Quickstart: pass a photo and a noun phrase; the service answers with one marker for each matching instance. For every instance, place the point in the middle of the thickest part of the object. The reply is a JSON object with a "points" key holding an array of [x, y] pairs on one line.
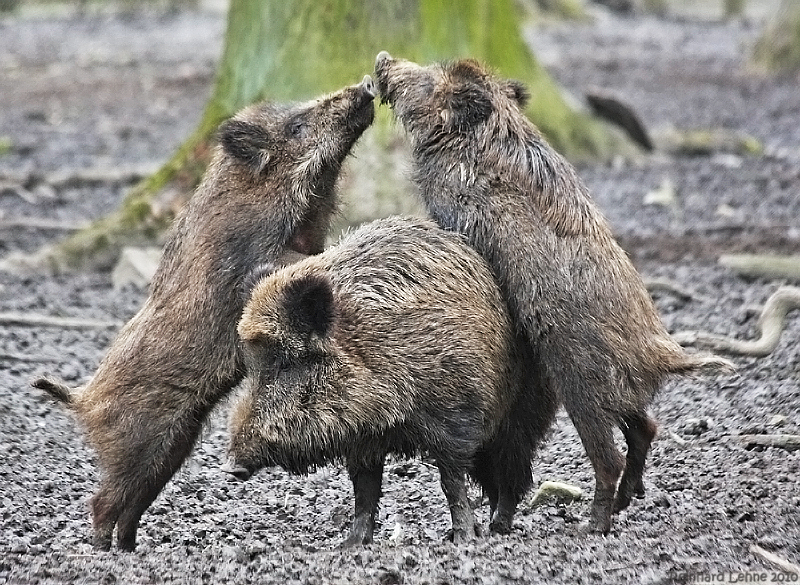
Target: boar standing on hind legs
{"points": [[484, 170], [397, 340], [268, 193]]}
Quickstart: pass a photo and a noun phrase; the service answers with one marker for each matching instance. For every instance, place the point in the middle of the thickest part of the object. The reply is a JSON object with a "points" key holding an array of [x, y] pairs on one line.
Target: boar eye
{"points": [[296, 128]]}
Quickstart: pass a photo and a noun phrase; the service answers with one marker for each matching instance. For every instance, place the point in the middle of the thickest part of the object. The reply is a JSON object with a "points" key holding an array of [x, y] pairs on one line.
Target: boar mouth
{"points": [[368, 87], [382, 62], [359, 114], [365, 94]]}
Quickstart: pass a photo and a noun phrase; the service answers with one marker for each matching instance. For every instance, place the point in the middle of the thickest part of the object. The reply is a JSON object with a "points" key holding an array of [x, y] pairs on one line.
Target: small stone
{"points": [[397, 533], [777, 420], [665, 195], [232, 553], [725, 210], [696, 426], [727, 160], [556, 491]]}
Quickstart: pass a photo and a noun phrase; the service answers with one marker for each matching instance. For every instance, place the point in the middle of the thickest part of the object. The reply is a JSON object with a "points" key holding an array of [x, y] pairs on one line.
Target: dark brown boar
{"points": [[484, 170], [268, 193], [395, 341]]}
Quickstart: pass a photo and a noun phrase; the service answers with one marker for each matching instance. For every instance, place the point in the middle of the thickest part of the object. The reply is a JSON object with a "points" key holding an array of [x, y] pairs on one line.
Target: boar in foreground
{"points": [[268, 193], [485, 171], [395, 341]]}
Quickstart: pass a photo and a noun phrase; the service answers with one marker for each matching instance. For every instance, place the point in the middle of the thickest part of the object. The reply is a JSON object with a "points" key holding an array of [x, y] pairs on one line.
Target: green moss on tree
{"points": [[295, 50]]}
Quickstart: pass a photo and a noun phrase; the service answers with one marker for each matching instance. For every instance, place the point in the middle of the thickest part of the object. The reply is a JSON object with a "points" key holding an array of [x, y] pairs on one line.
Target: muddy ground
{"points": [[105, 92]]}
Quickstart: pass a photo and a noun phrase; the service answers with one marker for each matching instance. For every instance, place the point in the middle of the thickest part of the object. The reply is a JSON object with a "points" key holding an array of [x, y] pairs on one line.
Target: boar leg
{"points": [[105, 511], [176, 445], [639, 430], [496, 484], [483, 471], [136, 474], [596, 433], [503, 516], [367, 491], [455, 490]]}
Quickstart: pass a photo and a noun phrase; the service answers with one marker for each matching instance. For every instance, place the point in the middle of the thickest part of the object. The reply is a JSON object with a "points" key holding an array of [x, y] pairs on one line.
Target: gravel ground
{"points": [[111, 91]]}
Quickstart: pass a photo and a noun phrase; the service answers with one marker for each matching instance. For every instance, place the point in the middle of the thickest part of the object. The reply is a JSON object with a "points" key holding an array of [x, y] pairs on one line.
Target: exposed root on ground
{"points": [[775, 560], [771, 323]]}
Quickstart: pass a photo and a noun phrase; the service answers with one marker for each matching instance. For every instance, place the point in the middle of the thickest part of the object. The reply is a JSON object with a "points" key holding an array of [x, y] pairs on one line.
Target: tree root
{"points": [[770, 326], [775, 560]]}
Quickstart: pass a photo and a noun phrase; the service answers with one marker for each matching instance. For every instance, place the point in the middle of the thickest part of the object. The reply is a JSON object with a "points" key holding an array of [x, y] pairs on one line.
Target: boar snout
{"points": [[236, 470], [369, 86]]}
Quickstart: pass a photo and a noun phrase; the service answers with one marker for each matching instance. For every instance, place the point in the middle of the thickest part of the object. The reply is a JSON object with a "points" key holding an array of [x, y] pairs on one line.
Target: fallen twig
{"points": [[708, 141], [770, 326], [763, 265], [18, 190], [78, 177], [788, 442], [667, 286], [678, 439], [41, 224], [33, 320], [99, 175], [31, 359], [773, 559]]}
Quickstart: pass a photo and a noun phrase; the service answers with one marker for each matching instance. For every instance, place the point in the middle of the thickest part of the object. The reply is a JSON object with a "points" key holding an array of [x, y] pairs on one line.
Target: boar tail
{"points": [[704, 363], [56, 389]]}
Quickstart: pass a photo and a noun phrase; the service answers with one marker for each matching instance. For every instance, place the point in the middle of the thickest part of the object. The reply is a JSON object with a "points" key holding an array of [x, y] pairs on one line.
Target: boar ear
{"points": [[248, 143], [517, 91], [309, 303], [254, 277], [470, 105], [467, 69]]}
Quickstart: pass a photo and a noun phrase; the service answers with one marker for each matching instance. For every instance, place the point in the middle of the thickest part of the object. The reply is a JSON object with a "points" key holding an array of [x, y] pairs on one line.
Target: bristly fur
{"points": [[254, 277], [267, 196], [397, 340], [571, 289]]}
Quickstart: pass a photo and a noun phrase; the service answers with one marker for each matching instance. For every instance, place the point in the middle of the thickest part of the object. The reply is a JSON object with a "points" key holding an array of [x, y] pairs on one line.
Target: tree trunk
{"points": [[289, 50], [778, 49]]}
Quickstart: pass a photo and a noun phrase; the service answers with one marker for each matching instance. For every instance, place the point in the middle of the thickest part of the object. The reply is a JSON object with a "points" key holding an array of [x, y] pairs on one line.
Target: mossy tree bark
{"points": [[289, 50], [778, 49]]}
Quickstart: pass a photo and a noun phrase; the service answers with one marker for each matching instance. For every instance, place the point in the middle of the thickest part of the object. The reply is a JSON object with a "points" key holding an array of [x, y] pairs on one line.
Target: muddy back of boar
{"points": [[484, 170], [268, 193], [395, 341]]}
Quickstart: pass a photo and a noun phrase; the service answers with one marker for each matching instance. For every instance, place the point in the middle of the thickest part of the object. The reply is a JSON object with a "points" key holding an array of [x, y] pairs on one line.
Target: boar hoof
{"points": [[594, 526], [500, 526], [101, 542], [462, 536], [237, 471], [355, 539]]}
